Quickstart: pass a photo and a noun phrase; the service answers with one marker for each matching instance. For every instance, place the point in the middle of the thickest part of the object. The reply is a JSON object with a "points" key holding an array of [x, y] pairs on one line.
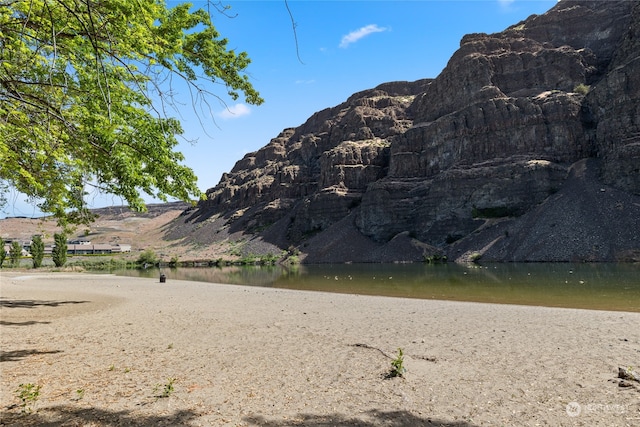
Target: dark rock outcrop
{"points": [[405, 170]]}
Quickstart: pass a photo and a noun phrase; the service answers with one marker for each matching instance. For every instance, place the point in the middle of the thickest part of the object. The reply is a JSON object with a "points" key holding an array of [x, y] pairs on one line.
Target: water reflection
{"points": [[592, 286]]}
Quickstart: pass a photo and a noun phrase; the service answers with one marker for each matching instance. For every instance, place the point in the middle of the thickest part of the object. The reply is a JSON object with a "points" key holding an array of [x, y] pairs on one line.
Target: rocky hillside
{"points": [[525, 148]]}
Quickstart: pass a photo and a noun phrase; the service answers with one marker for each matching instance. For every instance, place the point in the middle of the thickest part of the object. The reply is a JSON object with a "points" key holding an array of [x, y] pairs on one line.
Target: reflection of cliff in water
{"points": [[590, 286], [247, 275]]}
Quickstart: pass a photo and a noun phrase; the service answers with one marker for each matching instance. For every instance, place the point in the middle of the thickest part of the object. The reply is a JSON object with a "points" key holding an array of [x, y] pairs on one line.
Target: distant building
{"points": [[86, 247], [79, 242], [121, 248], [25, 244]]}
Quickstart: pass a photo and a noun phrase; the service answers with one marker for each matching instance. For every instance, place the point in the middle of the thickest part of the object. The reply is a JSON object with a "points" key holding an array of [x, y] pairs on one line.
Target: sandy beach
{"points": [[112, 351]]}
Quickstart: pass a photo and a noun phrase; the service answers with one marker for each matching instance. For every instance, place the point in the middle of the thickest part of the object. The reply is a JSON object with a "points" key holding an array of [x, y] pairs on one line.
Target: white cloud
{"points": [[356, 35], [505, 3], [234, 111]]}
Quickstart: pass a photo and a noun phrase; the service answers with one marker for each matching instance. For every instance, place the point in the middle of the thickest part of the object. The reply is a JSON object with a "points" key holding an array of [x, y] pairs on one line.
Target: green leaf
{"points": [[83, 85]]}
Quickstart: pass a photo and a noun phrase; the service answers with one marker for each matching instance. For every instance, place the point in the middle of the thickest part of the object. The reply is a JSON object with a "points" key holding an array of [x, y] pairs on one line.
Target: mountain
{"points": [[525, 148]]}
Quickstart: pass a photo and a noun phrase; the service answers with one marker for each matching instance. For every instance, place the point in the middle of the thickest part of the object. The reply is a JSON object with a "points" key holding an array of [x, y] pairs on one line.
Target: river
{"points": [[588, 286]]}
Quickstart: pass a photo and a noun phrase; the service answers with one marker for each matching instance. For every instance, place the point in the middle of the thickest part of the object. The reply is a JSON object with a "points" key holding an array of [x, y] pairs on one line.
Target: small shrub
{"points": [[147, 257], [475, 257], [269, 259], [397, 366], [167, 388], [435, 259], [582, 89], [28, 395], [293, 251], [248, 260]]}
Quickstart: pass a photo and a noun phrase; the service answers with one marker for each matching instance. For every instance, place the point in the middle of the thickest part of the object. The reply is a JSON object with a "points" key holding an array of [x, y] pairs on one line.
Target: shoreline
{"points": [[104, 348]]}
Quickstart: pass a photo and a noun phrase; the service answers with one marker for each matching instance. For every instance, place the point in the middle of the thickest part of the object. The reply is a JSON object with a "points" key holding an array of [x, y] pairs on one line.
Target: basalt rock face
{"points": [[501, 123], [613, 111], [322, 168], [493, 138]]}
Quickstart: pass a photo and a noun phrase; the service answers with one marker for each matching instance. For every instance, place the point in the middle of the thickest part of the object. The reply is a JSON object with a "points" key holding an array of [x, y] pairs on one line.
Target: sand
{"points": [[110, 351]]}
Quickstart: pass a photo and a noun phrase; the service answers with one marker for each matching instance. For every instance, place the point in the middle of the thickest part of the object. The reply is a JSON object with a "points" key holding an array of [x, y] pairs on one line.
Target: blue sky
{"points": [[344, 46]]}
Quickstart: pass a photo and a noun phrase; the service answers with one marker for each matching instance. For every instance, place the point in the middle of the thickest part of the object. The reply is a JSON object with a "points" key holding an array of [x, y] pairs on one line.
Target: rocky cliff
{"points": [[538, 123]]}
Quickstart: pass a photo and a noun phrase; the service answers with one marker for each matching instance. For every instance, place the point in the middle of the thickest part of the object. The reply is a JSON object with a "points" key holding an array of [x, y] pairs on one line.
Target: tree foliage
{"points": [[59, 251], [3, 252], [148, 257], [15, 253], [37, 251], [85, 86]]}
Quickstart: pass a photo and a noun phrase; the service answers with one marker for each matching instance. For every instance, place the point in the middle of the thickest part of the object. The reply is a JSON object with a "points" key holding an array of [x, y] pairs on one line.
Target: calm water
{"points": [[592, 286]]}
